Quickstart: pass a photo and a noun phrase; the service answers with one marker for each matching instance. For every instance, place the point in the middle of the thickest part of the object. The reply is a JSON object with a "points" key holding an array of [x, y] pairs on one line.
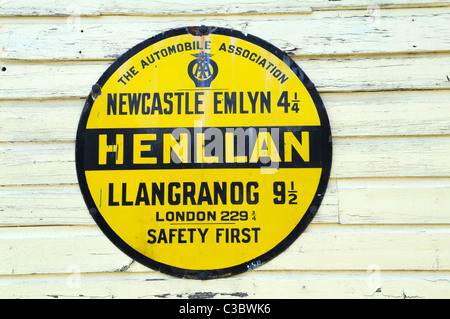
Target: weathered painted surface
{"points": [[383, 71]]}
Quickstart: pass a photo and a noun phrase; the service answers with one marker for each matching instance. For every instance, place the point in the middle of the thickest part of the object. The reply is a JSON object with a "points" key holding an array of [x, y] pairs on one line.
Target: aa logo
{"points": [[202, 70]]}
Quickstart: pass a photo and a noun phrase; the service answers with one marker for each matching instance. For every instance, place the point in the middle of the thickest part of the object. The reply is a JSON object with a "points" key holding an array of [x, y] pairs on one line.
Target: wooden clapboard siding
{"points": [[54, 163], [43, 205], [197, 7], [394, 113], [322, 33], [347, 201], [39, 120], [273, 285], [391, 113], [75, 79], [64, 205], [382, 68], [394, 201], [320, 247]]}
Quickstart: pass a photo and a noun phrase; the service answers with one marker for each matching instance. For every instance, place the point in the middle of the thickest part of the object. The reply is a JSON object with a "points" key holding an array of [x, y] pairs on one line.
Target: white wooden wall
{"points": [[382, 68]]}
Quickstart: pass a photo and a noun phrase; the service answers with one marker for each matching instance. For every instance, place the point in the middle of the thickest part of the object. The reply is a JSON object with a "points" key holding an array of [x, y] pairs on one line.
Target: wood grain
{"points": [[405, 201], [54, 163], [196, 7], [396, 113], [320, 248], [370, 283], [64, 205], [75, 79], [323, 33]]}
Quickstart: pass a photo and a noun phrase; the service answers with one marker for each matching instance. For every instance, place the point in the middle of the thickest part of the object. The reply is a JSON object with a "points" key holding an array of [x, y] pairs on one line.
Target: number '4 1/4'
{"points": [[284, 102]]}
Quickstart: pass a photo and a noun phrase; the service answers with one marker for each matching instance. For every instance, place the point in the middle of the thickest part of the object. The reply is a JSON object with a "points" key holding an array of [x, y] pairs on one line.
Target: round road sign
{"points": [[203, 152]]}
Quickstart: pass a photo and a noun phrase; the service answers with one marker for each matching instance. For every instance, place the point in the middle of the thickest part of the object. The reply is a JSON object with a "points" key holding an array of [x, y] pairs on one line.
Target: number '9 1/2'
{"points": [[279, 190]]}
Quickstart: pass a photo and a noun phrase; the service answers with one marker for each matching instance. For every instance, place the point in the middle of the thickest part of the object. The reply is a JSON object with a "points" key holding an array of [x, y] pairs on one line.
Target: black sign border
{"points": [[223, 272]]}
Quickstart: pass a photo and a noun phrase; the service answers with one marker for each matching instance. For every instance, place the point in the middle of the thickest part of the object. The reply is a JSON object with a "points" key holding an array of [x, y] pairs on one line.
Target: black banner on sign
{"points": [[199, 148]]}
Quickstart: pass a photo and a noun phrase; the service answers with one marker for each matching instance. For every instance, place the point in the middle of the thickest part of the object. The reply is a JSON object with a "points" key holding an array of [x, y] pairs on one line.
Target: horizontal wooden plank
{"points": [[391, 157], [326, 247], [400, 201], [195, 7], [57, 249], [40, 120], [347, 201], [43, 205], [32, 163], [406, 31], [64, 205], [373, 283], [351, 114], [373, 4], [152, 8], [22, 80], [388, 113], [26, 80], [54, 163], [378, 73]]}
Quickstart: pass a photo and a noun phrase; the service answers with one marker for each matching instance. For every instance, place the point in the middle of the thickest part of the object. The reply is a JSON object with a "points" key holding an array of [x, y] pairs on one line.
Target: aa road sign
{"points": [[203, 152]]}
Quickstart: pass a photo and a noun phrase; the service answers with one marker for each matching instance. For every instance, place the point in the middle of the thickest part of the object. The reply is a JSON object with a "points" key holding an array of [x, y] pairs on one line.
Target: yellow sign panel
{"points": [[203, 152]]}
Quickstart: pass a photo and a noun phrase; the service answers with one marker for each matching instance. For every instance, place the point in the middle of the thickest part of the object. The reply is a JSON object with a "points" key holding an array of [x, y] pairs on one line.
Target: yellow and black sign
{"points": [[203, 152]]}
